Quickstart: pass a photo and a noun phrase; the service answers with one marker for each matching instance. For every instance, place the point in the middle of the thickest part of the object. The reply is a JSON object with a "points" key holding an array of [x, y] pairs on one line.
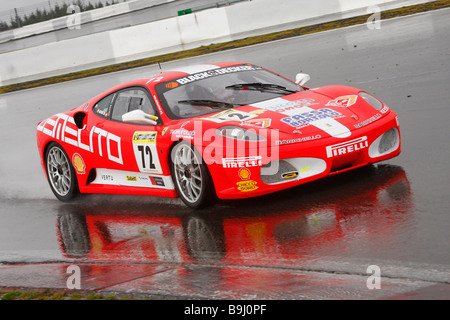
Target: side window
{"points": [[102, 108], [129, 100]]}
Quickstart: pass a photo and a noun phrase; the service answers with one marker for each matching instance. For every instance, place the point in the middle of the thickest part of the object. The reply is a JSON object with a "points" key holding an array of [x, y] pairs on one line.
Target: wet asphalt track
{"points": [[312, 242]]}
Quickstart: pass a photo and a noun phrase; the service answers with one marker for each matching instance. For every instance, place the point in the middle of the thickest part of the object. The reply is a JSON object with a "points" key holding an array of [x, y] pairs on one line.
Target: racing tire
{"points": [[191, 176], [61, 175]]}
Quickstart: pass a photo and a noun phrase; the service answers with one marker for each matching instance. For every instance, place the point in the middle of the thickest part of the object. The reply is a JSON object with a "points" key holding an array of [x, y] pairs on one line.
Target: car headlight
{"points": [[238, 133], [374, 102]]}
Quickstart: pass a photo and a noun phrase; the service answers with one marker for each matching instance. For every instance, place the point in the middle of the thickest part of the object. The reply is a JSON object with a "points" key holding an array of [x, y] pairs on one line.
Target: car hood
{"points": [[310, 113]]}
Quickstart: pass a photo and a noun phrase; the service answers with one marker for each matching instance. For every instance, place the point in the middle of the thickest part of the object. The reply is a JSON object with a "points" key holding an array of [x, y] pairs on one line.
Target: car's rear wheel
{"points": [[191, 176], [60, 172]]}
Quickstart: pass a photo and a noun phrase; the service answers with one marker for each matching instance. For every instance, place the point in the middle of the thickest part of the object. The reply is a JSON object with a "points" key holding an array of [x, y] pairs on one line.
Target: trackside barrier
{"points": [[183, 32]]}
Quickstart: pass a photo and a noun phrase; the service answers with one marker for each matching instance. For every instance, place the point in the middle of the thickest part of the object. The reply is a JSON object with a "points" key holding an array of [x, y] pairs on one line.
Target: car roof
{"points": [[191, 69], [171, 74]]}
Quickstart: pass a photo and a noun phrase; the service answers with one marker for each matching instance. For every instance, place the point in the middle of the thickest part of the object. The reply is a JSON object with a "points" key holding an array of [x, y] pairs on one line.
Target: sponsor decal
{"points": [[78, 164], [303, 139], [244, 173], [171, 85], [157, 181], [368, 121], [310, 116], [182, 133], [347, 147], [258, 123], [132, 179], [158, 105], [247, 186], [103, 113], [107, 177], [213, 73], [299, 114], [289, 107], [164, 131], [63, 128], [243, 162], [145, 137], [344, 101]]}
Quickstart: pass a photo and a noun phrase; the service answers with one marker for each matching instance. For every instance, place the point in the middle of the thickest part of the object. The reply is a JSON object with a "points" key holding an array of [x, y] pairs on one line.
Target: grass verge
{"points": [[51, 294], [388, 14]]}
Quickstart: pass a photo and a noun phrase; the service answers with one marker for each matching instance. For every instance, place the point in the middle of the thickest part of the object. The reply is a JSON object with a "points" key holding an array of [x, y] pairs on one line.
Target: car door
{"points": [[128, 149]]}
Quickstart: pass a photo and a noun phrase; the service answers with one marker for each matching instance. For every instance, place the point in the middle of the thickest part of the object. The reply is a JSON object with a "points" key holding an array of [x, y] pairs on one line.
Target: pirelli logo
{"points": [[347, 147], [243, 162]]}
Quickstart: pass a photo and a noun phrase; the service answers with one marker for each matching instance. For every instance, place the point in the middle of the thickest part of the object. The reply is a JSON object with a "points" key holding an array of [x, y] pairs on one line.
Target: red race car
{"points": [[227, 130]]}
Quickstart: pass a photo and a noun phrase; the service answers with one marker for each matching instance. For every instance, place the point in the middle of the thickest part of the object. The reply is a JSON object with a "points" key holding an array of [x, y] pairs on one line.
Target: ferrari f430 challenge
{"points": [[226, 130]]}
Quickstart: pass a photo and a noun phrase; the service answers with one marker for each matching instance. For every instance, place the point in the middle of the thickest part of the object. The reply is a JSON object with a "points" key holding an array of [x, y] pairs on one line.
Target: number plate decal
{"points": [[231, 115], [145, 151]]}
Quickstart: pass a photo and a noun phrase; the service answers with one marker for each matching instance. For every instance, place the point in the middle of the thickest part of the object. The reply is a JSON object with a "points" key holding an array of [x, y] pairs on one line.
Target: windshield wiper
{"points": [[210, 103], [261, 87]]}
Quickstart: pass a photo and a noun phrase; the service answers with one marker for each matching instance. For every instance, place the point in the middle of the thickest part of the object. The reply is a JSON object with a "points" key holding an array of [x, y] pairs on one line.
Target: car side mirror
{"points": [[302, 78], [139, 116]]}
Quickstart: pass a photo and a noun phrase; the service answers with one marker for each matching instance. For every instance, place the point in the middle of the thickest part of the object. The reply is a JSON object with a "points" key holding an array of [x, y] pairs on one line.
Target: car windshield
{"points": [[220, 89]]}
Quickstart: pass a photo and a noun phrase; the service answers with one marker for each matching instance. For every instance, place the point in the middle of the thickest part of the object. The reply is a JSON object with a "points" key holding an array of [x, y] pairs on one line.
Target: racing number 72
{"points": [[146, 151]]}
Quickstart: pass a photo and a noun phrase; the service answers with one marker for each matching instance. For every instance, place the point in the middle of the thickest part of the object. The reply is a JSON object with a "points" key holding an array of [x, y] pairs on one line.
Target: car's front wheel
{"points": [[191, 176], [60, 172]]}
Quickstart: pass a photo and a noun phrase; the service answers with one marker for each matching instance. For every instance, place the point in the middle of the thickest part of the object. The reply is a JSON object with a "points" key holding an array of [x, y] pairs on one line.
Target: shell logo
{"points": [[244, 174], [79, 164]]}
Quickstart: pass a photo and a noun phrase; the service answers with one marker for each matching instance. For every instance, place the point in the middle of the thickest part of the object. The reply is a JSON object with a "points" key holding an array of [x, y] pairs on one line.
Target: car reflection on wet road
{"points": [[311, 242], [250, 233]]}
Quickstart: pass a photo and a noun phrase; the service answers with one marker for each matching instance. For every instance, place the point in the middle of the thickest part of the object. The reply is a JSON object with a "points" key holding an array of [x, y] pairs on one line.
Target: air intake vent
{"points": [[285, 172], [291, 169]]}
